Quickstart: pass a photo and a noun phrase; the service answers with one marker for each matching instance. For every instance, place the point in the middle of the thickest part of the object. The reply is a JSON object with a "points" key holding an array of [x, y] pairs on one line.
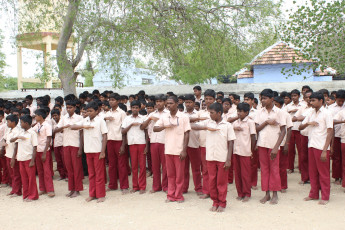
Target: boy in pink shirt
{"points": [[220, 138], [271, 129], [320, 124], [177, 126], [244, 146], [43, 156]]}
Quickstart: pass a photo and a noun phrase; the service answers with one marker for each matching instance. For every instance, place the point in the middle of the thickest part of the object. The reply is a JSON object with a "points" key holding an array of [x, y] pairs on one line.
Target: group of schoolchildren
{"points": [[221, 138]]}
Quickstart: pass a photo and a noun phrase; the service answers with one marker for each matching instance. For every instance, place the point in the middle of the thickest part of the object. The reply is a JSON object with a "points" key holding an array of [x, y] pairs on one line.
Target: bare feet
{"points": [[125, 191], [100, 200], [246, 199], [10, 194], [283, 191], [204, 196], [142, 192], [110, 189], [290, 171], [323, 202], [266, 198], [28, 200], [239, 198], [309, 198], [14, 195], [3, 185], [180, 201], [90, 199], [69, 194], [255, 187], [61, 179], [337, 182], [220, 209], [51, 194], [213, 209], [75, 194], [168, 201], [42, 193], [274, 199], [133, 191], [199, 193], [152, 191], [148, 173]]}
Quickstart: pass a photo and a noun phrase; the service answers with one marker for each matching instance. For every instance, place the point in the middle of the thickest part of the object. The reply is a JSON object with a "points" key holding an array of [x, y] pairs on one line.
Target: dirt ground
{"points": [[149, 211]]}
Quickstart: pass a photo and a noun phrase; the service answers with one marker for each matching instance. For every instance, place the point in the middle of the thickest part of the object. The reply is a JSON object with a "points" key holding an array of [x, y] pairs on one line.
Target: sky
{"points": [[30, 60]]}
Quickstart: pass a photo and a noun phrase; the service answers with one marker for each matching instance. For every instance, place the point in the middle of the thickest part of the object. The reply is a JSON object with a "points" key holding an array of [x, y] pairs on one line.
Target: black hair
{"points": [[288, 95], [324, 91], [170, 93], [106, 103], [189, 97], [104, 95], [236, 96], [227, 100], [332, 97], [14, 110], [89, 96], [57, 105], [267, 93], [161, 97], [92, 105], [123, 107], [55, 111], [216, 107], [309, 91], [256, 101], [29, 97], [221, 93], [94, 97], [71, 103], [153, 99], [279, 100], [25, 111], [197, 104], [318, 95], [46, 97], [26, 119], [180, 106], [143, 112], [41, 112], [243, 107], [96, 91], [181, 97], [283, 94], [125, 97], [46, 109], [82, 96], [296, 91], [210, 93], [340, 94], [150, 104], [174, 98], [135, 103], [59, 99], [197, 87], [249, 95], [133, 96], [2, 113], [275, 94], [115, 96], [12, 118], [141, 93], [306, 87]]}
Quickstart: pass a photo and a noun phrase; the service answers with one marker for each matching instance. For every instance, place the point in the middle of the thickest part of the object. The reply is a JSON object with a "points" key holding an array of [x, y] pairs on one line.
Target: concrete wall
{"points": [[184, 89]]}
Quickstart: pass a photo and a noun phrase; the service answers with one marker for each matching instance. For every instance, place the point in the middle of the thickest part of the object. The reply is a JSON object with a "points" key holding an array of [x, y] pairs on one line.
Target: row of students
{"points": [[205, 139]]}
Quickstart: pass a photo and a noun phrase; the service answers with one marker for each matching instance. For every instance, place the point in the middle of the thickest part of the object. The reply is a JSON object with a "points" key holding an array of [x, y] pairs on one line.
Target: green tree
{"points": [[318, 30], [195, 39], [2, 57]]}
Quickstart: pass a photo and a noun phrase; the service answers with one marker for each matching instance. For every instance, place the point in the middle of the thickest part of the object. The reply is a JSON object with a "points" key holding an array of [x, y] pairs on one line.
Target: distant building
{"points": [[271, 64]]}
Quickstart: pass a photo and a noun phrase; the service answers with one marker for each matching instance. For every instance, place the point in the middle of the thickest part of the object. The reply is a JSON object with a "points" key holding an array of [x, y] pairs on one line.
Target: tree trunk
{"points": [[68, 80]]}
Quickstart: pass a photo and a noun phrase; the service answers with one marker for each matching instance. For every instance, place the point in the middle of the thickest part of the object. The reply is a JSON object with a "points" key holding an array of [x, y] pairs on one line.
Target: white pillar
{"points": [[47, 63], [19, 68]]}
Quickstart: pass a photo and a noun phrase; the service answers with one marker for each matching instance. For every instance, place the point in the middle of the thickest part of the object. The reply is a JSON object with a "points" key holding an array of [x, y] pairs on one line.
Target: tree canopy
{"points": [[192, 40], [318, 30]]}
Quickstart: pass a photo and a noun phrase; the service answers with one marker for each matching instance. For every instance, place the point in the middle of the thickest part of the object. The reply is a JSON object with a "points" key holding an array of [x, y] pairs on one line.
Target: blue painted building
{"points": [[271, 64]]}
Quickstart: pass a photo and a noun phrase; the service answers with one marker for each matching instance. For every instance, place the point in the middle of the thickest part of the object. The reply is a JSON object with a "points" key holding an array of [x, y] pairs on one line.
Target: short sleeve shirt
{"points": [[193, 134], [43, 131], [58, 137], [93, 137], [11, 133], [291, 107], [157, 137], [242, 144], [70, 137], [135, 136], [26, 147], [335, 109], [202, 133], [114, 126]]}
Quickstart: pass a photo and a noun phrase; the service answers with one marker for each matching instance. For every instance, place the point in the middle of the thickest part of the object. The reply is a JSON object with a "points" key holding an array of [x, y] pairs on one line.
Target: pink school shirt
{"points": [[43, 131], [242, 144], [114, 126]]}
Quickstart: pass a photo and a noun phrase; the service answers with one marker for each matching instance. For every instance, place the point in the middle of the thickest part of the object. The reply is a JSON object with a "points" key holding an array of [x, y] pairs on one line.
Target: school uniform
{"points": [[71, 144], [58, 153], [174, 138], [295, 139], [117, 163], [242, 156], [254, 161], [4, 174], [93, 147], [336, 157], [32, 109], [157, 142], [193, 158], [304, 168], [137, 143], [284, 158], [341, 116], [15, 180], [318, 170], [24, 157], [231, 114], [216, 156], [45, 175], [202, 142], [267, 139]]}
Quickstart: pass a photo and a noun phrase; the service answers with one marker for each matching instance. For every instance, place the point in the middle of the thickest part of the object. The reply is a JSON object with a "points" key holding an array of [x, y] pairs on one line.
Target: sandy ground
{"points": [[149, 211]]}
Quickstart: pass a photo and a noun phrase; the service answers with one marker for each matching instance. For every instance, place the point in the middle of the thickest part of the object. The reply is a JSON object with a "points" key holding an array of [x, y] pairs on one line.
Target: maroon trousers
{"points": [[343, 164], [44, 172], [28, 176], [304, 159], [4, 176], [231, 171], [194, 159], [283, 165], [138, 160], [242, 165], [60, 162], [319, 175], [336, 159], [205, 183], [294, 141], [96, 169], [254, 168], [159, 170], [175, 171], [117, 165], [270, 178], [74, 168], [218, 179], [15, 179]]}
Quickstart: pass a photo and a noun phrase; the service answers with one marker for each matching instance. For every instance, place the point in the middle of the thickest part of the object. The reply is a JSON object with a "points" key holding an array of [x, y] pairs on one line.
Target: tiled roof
{"points": [[244, 73], [280, 53], [325, 72]]}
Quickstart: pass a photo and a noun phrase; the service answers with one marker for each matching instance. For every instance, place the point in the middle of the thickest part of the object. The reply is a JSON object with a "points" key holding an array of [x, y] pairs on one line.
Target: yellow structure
{"points": [[46, 39]]}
